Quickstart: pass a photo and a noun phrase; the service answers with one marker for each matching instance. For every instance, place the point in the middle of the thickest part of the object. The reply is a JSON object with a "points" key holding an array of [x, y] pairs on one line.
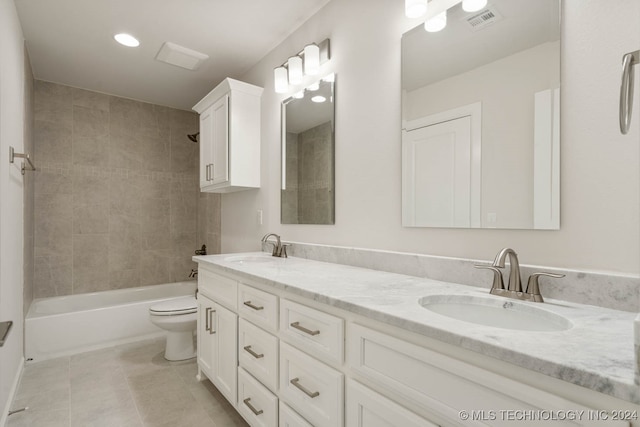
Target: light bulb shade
{"points": [[314, 86], [281, 85], [295, 70], [473, 5], [436, 23], [299, 95], [311, 59], [415, 8]]}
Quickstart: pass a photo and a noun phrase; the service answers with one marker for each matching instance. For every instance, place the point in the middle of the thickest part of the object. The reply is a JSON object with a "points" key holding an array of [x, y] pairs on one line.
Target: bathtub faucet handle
{"points": [[194, 273]]}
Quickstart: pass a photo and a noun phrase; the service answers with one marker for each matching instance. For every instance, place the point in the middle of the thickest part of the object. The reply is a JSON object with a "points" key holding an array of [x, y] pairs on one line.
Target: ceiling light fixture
{"points": [[415, 8], [127, 40], [306, 63], [318, 98]]}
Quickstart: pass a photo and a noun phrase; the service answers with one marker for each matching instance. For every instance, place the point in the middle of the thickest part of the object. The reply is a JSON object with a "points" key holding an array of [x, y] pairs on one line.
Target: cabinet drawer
{"points": [[442, 386], [316, 332], [365, 407], [219, 288], [258, 353], [256, 404], [290, 418], [312, 388], [258, 306]]}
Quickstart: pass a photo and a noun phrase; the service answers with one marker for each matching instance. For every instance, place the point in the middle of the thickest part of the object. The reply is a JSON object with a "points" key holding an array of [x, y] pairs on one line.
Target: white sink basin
{"points": [[253, 259], [496, 312]]}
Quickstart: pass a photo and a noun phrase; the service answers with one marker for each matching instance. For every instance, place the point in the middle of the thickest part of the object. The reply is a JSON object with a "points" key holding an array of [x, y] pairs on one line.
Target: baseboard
{"points": [[12, 394]]}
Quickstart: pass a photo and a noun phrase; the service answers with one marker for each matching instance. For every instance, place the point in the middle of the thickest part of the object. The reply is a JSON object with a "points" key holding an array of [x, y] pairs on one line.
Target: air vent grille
{"points": [[484, 19]]}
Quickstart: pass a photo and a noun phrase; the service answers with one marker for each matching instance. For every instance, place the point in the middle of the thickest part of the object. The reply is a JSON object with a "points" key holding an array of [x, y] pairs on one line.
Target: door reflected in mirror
{"points": [[481, 119], [308, 142]]}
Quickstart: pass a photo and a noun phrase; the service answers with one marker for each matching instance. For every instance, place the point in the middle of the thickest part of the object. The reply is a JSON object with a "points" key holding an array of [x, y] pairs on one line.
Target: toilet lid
{"points": [[172, 307]]}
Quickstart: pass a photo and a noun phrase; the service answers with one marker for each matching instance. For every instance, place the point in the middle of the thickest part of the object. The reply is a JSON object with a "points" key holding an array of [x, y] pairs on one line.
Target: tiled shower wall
{"points": [[117, 203], [308, 198]]}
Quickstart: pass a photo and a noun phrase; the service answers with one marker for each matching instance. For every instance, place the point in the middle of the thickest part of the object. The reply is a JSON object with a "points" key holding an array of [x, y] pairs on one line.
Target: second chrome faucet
{"points": [[514, 288]]}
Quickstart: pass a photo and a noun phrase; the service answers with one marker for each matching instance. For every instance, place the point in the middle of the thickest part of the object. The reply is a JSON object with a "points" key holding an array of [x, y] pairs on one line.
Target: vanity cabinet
{"points": [[230, 137], [302, 363]]}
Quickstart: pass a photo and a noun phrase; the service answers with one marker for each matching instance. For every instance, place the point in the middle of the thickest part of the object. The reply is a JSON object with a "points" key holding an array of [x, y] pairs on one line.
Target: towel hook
{"points": [[626, 89]]}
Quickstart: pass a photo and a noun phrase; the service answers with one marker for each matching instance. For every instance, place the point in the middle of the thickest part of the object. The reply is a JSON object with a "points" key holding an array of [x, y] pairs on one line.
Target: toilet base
{"points": [[179, 346]]}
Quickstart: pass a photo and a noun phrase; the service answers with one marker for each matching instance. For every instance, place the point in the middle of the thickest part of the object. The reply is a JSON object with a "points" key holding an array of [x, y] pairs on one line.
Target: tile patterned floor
{"points": [[129, 385]]}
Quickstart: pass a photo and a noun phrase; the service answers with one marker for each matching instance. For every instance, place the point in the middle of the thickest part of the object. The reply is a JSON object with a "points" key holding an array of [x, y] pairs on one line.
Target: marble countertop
{"points": [[597, 352]]}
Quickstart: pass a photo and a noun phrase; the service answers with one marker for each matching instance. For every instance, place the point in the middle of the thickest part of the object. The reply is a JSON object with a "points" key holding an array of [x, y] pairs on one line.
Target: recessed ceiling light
{"points": [[127, 40], [318, 98]]}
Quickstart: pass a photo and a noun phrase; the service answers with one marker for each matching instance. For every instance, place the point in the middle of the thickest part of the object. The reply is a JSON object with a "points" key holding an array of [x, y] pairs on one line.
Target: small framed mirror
{"points": [[308, 148]]}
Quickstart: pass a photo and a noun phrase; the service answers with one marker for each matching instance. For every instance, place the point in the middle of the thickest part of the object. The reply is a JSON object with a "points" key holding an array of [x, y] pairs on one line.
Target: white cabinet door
{"points": [[366, 408], [225, 328], [206, 340], [217, 346], [219, 170], [206, 148]]}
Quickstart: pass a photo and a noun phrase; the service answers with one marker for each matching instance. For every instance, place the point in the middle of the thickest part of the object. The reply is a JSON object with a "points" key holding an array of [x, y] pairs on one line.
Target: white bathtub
{"points": [[60, 326]]}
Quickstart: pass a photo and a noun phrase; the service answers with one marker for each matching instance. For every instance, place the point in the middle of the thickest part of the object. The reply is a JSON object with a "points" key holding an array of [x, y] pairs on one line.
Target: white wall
{"points": [[11, 197], [600, 192]]}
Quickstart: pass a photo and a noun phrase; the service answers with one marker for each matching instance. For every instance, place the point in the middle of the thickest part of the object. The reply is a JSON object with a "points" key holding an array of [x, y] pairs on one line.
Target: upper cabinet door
{"points": [[230, 137], [219, 170]]}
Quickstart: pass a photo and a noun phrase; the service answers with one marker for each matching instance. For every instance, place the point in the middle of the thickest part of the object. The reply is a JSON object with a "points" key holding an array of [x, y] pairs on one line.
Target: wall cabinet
{"points": [[230, 137]]}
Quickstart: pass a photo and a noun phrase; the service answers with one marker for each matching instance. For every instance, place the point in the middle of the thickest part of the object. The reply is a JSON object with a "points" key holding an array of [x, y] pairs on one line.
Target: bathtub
{"points": [[61, 326]]}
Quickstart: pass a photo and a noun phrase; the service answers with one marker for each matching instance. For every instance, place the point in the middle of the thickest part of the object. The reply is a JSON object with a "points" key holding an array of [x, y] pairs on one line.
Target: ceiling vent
{"points": [[483, 19], [181, 56]]}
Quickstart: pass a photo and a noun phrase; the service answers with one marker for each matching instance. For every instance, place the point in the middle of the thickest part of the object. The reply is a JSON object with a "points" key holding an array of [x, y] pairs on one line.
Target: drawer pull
{"points": [[250, 406], [211, 331], [255, 307], [296, 383], [303, 329], [253, 353]]}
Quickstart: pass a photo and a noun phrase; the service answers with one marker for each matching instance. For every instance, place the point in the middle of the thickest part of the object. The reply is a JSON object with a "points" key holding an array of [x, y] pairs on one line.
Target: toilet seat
{"points": [[175, 307]]}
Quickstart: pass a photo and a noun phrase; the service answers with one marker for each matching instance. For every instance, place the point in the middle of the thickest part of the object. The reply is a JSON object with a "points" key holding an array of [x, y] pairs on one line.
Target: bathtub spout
{"points": [[194, 273]]}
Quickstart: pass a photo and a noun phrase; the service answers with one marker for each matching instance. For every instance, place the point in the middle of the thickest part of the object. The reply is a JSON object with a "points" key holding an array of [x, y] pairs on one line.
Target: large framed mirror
{"points": [[481, 119], [308, 148]]}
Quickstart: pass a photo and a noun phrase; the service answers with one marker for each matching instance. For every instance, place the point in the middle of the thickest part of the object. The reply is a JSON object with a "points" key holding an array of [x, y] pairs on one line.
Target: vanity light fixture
{"points": [[307, 62], [436, 14], [314, 86], [299, 95], [473, 5], [295, 70], [437, 23], [281, 82], [126, 40], [415, 8]]}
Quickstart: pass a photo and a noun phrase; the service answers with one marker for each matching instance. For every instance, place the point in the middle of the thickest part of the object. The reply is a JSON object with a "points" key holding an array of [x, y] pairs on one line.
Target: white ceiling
{"points": [[431, 57], [71, 42]]}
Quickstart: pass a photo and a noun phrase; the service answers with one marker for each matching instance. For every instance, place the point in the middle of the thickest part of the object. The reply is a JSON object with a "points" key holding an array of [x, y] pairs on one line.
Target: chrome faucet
{"points": [[514, 290], [279, 249]]}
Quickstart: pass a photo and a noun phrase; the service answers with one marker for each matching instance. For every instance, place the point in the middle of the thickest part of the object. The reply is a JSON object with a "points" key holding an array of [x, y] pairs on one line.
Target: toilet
{"points": [[178, 317]]}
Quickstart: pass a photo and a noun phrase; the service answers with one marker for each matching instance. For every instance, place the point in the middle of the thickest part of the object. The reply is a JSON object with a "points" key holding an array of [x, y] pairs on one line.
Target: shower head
{"points": [[193, 136]]}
